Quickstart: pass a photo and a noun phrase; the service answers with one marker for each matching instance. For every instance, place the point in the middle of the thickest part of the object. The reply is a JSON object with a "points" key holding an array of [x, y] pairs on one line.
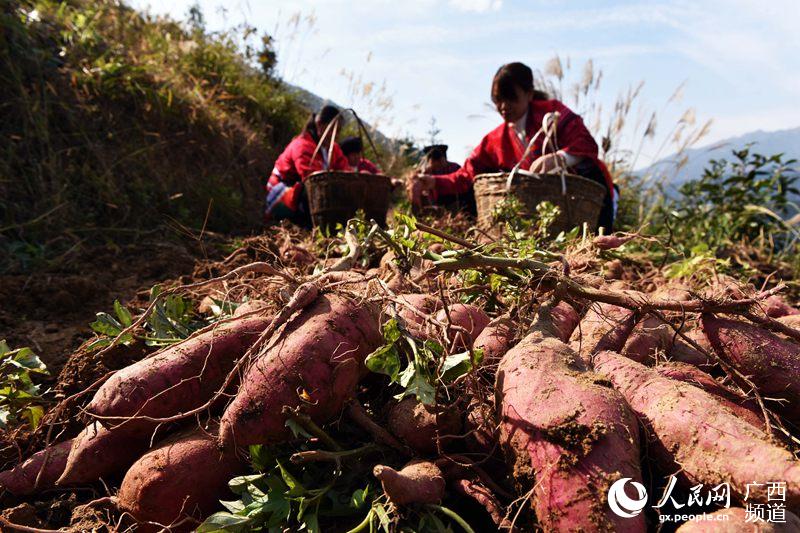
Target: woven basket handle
{"points": [[548, 129]]}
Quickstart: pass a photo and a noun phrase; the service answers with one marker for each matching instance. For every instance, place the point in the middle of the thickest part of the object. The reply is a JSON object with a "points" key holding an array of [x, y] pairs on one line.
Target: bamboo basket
{"points": [[582, 202], [334, 197]]}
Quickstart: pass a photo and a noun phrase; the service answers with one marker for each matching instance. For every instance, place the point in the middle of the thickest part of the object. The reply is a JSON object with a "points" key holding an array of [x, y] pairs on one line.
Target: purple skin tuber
{"points": [[21, 480], [315, 362], [496, 339], [610, 242], [471, 318], [565, 319], [771, 362], [689, 427], [565, 433], [604, 327], [416, 482]]}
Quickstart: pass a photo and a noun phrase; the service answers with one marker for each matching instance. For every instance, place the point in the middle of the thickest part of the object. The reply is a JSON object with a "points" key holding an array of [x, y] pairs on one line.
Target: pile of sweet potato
{"points": [[568, 395]]}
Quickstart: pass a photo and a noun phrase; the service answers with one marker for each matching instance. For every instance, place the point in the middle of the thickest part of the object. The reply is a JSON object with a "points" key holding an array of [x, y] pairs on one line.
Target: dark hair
{"points": [[326, 114], [435, 152], [351, 145], [509, 77]]}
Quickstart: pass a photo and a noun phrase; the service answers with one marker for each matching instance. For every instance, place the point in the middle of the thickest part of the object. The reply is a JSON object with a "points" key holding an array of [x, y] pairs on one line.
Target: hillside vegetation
{"points": [[117, 121]]}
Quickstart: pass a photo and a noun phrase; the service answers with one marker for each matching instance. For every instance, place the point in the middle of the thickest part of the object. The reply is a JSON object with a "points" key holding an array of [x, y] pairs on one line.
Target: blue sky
{"points": [[739, 59]]}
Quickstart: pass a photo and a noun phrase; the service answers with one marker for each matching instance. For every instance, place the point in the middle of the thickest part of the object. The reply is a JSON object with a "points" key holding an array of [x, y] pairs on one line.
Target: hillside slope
{"points": [[119, 121]]}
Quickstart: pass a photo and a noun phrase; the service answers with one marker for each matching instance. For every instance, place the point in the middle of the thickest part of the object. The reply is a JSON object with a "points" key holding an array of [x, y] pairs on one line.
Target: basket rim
{"points": [[504, 175], [321, 174]]}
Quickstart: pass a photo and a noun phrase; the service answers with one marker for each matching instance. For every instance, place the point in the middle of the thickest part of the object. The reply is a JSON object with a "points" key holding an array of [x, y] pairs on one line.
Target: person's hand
{"points": [[420, 187], [548, 163]]}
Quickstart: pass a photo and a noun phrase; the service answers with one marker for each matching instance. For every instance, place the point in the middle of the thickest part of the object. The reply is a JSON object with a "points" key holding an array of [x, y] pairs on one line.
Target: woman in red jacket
{"points": [[285, 194], [523, 108]]}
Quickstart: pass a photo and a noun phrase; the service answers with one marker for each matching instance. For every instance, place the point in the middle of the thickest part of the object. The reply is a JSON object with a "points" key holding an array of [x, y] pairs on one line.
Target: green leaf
{"points": [[384, 360], [260, 457], [223, 521], [419, 386], [391, 331], [25, 358], [34, 414], [4, 349], [359, 497], [106, 325], [123, 314], [298, 430], [295, 487], [456, 365], [383, 517]]}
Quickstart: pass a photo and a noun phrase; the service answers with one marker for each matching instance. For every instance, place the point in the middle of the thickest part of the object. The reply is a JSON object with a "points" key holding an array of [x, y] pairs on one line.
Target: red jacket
{"points": [[295, 163], [500, 150], [365, 165]]}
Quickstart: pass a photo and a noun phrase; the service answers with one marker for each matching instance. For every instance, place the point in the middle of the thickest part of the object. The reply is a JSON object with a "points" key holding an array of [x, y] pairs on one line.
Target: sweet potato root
{"points": [[776, 307], [469, 317], [689, 427], [745, 408], [604, 327], [496, 339], [180, 378], [21, 480], [565, 319], [98, 452], [416, 424], [484, 497], [737, 522], [414, 319], [649, 339], [416, 482], [316, 362], [185, 476], [567, 435], [771, 362]]}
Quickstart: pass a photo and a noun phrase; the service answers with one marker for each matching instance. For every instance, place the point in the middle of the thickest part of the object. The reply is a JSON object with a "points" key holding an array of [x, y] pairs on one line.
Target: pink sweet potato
{"points": [[649, 339], [418, 425], [565, 319], [737, 521], [566, 434], [793, 321], [416, 482], [771, 362], [689, 427], [251, 306], [316, 362], [496, 339], [178, 379], [604, 327], [98, 452], [745, 408], [413, 310], [609, 242], [469, 317], [184, 477], [21, 480], [776, 307]]}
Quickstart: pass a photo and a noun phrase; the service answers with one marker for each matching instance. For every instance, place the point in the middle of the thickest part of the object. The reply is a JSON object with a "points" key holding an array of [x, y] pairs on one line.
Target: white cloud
{"points": [[476, 6]]}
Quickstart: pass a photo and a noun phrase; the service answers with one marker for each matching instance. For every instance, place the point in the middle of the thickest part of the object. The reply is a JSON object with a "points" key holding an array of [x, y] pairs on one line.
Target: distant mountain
{"points": [[767, 143]]}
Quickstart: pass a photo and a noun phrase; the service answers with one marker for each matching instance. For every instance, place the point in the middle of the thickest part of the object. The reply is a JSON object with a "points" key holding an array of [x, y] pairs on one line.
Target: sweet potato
{"points": [[689, 427], [21, 480], [771, 362], [469, 317], [251, 306], [609, 242], [565, 319], [480, 427], [316, 362], [793, 321], [649, 339], [185, 476], [416, 482], [745, 408], [496, 339], [737, 522], [180, 378], [98, 452], [776, 307], [567, 435], [414, 319], [417, 425], [604, 327]]}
